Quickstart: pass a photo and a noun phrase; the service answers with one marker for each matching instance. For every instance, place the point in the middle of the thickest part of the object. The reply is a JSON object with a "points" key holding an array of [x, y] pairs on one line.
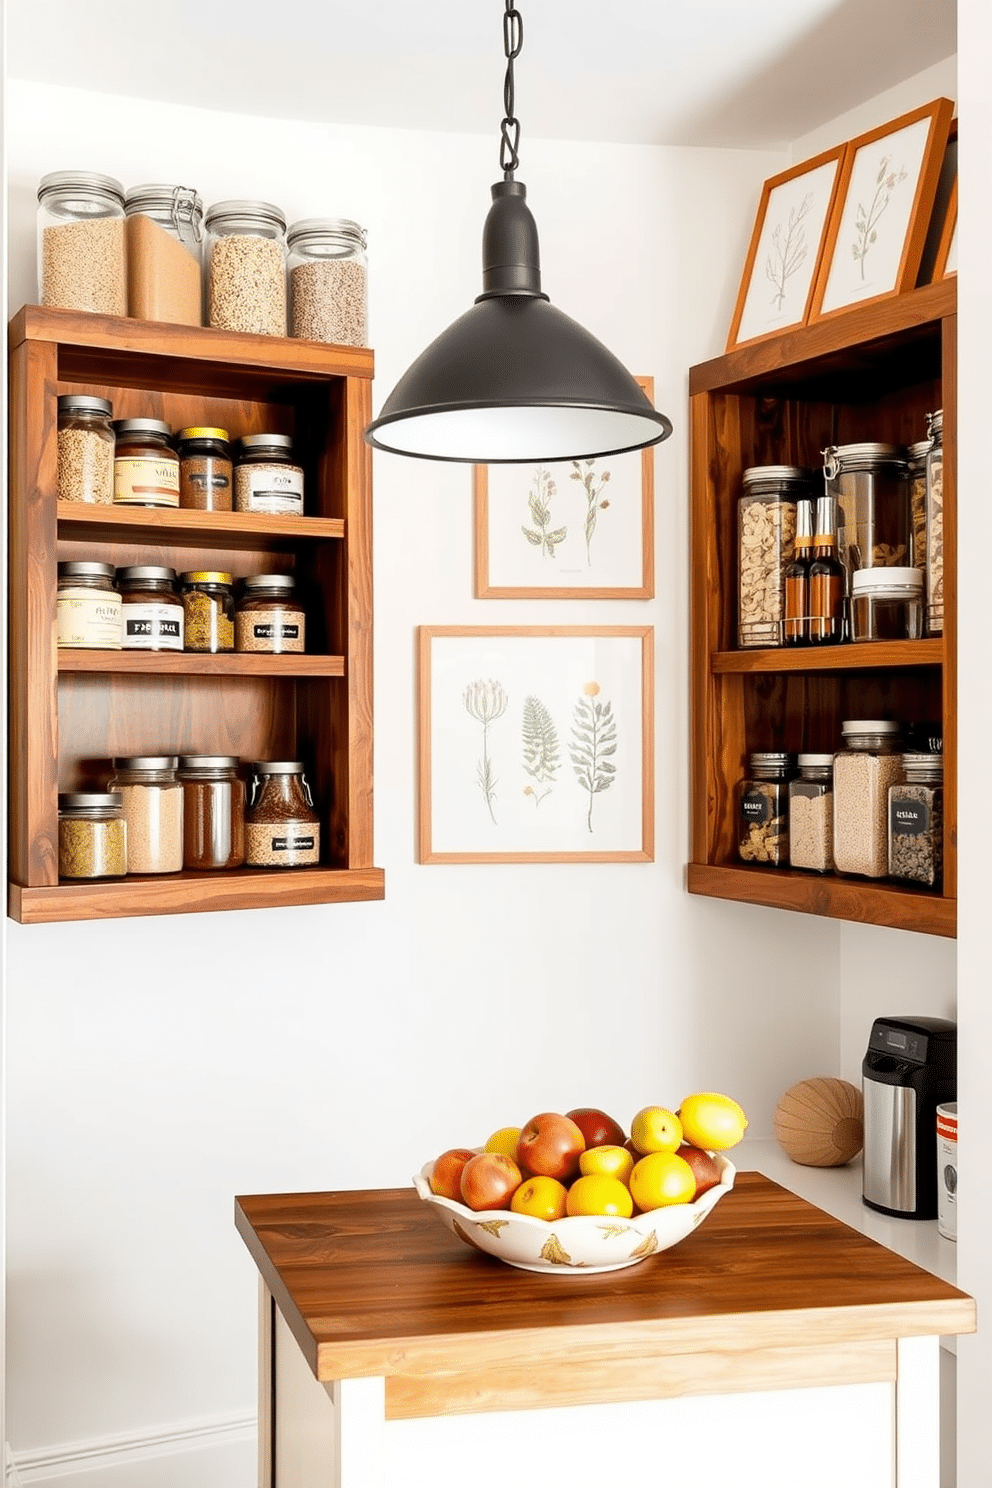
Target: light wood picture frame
{"points": [[536, 744], [889, 180], [567, 529], [947, 252], [786, 249]]}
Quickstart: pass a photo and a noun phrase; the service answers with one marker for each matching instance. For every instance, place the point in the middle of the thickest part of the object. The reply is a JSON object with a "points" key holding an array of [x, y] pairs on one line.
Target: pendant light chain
{"points": [[513, 40]]}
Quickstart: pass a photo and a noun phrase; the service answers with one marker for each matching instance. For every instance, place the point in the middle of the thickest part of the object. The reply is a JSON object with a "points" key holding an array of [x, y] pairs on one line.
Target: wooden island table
{"points": [[373, 1313]]}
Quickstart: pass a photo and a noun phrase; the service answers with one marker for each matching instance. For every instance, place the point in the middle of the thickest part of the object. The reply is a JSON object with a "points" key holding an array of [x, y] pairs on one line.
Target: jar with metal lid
{"points": [[85, 441], [269, 616], [213, 811], [766, 535], [887, 604], [164, 233], [87, 607], [869, 483], [92, 835], [146, 467], [935, 525], [811, 814], [81, 258], [153, 809], [327, 281], [246, 267], [282, 829], [266, 476], [152, 612], [763, 808], [205, 469], [916, 820], [869, 762], [208, 610], [916, 481]]}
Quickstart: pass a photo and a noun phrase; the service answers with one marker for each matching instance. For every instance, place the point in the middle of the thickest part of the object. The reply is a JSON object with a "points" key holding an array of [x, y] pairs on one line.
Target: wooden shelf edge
{"points": [[832, 898], [861, 657], [242, 889], [82, 521], [198, 664]]}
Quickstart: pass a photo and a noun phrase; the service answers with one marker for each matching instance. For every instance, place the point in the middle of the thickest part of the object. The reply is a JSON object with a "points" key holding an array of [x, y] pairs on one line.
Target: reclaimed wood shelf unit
{"points": [[871, 374], [72, 712]]}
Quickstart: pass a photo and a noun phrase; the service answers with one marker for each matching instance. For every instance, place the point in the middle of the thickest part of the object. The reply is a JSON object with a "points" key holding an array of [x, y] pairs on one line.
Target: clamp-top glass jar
{"points": [[766, 536], [763, 808], [85, 449], [869, 483], [864, 768], [282, 829], [327, 281], [246, 267], [81, 257], [164, 231]]}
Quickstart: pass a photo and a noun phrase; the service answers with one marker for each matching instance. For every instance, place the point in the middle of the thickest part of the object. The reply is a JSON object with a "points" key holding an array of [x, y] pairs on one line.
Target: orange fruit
{"points": [[656, 1129], [542, 1198], [505, 1141], [598, 1193], [612, 1162], [662, 1178]]}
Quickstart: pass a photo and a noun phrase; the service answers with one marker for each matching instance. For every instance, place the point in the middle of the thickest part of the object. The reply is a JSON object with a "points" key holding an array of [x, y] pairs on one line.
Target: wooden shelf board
{"points": [[86, 523], [844, 899], [199, 664], [185, 893], [866, 656]]}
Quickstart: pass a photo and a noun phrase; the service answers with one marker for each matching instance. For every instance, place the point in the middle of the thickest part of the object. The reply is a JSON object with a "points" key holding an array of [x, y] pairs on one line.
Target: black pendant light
{"points": [[513, 380]]}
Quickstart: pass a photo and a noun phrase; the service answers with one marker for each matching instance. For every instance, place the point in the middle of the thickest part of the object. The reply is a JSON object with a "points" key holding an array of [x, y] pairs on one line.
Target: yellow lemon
{"points": [[611, 1162], [662, 1178], [656, 1129], [505, 1141], [598, 1193], [542, 1198], [714, 1122]]}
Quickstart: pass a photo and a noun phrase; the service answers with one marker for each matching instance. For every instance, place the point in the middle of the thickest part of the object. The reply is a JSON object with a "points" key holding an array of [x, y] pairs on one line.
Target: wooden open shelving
{"points": [[72, 712], [871, 374]]}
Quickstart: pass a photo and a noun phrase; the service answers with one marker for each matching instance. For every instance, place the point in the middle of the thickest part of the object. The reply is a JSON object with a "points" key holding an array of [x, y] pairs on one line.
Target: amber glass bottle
{"points": [[826, 579], [796, 624]]}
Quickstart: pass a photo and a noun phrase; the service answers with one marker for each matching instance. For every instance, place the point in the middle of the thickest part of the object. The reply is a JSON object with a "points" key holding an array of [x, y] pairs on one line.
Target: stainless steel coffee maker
{"points": [[909, 1070]]}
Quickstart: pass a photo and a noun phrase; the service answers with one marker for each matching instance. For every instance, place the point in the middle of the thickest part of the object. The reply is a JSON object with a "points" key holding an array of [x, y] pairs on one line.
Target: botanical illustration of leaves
{"points": [[594, 739], [534, 538], [540, 740]]}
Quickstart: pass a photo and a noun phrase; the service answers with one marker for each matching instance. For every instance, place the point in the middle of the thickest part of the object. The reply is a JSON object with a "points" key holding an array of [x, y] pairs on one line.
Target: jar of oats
{"points": [[269, 616], [864, 769], [327, 281], [208, 610], [81, 256], [763, 808], [92, 835], [246, 267], [766, 537], [266, 476], [152, 798], [282, 829], [85, 442]]}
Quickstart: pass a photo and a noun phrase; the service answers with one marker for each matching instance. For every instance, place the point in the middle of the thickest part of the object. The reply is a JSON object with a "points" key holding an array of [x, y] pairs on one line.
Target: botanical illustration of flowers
{"points": [[866, 221], [541, 749], [539, 501], [585, 471], [788, 250], [486, 701], [594, 740]]}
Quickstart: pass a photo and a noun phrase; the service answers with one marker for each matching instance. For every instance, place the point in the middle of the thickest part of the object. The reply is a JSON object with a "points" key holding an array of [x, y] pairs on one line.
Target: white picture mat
{"points": [[794, 223]]}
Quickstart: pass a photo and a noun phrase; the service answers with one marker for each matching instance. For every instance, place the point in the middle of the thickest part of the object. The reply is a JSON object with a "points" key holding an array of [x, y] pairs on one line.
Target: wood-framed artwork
{"points": [[567, 529], [946, 262], [536, 744], [786, 248], [885, 198]]}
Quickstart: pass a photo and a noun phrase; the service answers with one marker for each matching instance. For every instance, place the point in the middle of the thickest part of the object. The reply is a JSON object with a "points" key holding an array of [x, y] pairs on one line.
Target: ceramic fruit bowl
{"points": [[586, 1242]]}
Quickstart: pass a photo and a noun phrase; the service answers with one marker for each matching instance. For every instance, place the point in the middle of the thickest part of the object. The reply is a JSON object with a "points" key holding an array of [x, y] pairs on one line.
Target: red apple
{"points": [[489, 1180], [550, 1145], [704, 1168], [598, 1129], [446, 1174]]}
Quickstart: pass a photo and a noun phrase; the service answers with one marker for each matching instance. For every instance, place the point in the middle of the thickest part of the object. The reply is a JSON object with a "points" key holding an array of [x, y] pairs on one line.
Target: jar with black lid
{"points": [[92, 835], [916, 820], [763, 808], [81, 258], [266, 476], [282, 828], [213, 811], [208, 610], [269, 617], [146, 467], [246, 267], [87, 607], [152, 612], [205, 469], [766, 536], [164, 232], [85, 441]]}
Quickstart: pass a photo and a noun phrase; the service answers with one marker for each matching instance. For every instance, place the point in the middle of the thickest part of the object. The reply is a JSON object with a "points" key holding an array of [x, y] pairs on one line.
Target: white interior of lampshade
{"points": [[489, 436]]}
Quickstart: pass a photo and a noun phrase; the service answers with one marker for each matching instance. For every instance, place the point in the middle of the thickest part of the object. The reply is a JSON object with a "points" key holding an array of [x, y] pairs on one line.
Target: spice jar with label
{"points": [[916, 820], [887, 604], [87, 607], [266, 476], [205, 469], [152, 612], [869, 484], [327, 279], [146, 467], [92, 835], [864, 769], [282, 829], [208, 610], [811, 814], [85, 442], [935, 525], [164, 233], [246, 267], [269, 616], [153, 809], [81, 258], [763, 808], [213, 811], [766, 533]]}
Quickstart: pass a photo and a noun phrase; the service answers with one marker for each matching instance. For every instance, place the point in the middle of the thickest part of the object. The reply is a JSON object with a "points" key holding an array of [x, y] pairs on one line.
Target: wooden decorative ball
{"points": [[819, 1123]]}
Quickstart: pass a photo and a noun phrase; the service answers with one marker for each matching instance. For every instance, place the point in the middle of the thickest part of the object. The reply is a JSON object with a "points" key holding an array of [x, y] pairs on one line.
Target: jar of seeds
{"points": [[92, 835], [151, 610], [208, 610], [327, 278], [246, 267], [87, 607], [153, 809], [81, 259], [164, 232], [205, 469], [916, 820], [282, 829], [763, 809], [935, 524], [266, 476], [766, 534], [864, 769], [269, 616], [85, 443], [811, 814], [213, 811]]}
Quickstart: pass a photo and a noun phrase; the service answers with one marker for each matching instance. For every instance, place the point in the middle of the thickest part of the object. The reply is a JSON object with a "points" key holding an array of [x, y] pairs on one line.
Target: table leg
{"points": [[918, 1413]]}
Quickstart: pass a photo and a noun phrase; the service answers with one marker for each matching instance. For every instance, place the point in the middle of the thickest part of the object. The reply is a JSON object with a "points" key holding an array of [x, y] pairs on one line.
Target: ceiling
{"points": [[746, 73]]}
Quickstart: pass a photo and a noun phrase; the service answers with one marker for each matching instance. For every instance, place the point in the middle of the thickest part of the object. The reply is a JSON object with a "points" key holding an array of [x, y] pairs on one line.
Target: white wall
{"points": [[157, 1068]]}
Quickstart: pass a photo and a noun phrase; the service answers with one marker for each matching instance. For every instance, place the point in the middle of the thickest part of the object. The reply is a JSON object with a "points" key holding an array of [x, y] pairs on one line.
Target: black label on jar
{"points": [[755, 806], [293, 844], [909, 818], [208, 482], [269, 632], [167, 629]]}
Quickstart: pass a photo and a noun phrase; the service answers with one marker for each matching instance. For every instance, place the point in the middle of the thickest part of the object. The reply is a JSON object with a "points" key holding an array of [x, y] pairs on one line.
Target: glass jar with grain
{"points": [[164, 234], [327, 281], [153, 810], [267, 477], [916, 820], [811, 814], [269, 616], [92, 835], [246, 267], [282, 828], [87, 607], [213, 811], [763, 808], [864, 769], [205, 469], [146, 467], [81, 258], [85, 441], [208, 610]]}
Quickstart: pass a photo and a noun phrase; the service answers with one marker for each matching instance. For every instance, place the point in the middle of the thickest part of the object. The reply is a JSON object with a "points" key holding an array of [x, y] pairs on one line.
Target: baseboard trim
{"points": [[129, 1446]]}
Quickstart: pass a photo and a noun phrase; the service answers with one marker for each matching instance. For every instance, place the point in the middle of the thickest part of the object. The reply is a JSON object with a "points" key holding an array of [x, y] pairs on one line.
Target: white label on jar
{"points": [[88, 620], [153, 627], [270, 488], [142, 481], [282, 844]]}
